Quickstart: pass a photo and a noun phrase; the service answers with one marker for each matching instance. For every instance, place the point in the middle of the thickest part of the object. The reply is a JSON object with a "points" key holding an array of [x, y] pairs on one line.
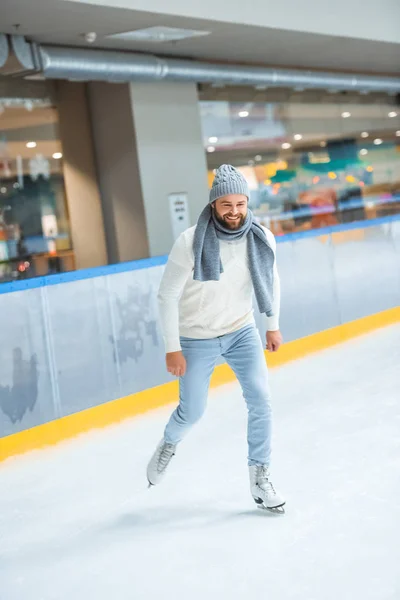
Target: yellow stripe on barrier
{"points": [[141, 402]]}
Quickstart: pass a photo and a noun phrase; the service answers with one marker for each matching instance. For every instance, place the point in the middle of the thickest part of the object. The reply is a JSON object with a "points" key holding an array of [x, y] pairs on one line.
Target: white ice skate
{"points": [[159, 462], [264, 493]]}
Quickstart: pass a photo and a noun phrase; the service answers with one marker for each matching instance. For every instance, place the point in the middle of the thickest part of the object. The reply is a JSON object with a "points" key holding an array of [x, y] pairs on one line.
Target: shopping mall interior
{"points": [[75, 177], [311, 159]]}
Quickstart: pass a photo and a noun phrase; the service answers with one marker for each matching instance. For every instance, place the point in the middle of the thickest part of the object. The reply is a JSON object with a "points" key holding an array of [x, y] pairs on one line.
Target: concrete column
{"points": [[83, 197], [170, 154], [148, 145], [118, 171]]}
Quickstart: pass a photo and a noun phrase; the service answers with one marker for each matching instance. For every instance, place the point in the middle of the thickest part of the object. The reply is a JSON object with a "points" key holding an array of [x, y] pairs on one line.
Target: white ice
{"points": [[77, 521]]}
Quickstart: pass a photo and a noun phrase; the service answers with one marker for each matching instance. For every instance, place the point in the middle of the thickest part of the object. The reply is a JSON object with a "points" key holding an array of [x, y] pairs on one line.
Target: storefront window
{"points": [[34, 228], [309, 165]]}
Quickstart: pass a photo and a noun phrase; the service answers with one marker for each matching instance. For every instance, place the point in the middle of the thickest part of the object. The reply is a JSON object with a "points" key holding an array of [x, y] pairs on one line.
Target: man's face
{"points": [[231, 210]]}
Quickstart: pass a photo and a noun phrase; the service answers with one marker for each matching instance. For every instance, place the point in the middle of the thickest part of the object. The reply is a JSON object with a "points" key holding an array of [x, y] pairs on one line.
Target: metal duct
{"points": [[21, 59], [101, 65], [3, 50]]}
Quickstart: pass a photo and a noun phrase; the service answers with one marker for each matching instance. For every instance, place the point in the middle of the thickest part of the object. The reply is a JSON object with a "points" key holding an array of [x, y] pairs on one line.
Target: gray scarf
{"points": [[207, 261]]}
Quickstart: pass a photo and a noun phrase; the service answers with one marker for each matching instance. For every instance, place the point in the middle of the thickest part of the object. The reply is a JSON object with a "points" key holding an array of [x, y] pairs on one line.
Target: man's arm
{"points": [[176, 273], [274, 337]]}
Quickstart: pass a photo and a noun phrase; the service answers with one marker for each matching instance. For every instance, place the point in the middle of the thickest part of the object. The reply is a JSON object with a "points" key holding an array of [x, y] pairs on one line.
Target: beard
{"points": [[222, 220]]}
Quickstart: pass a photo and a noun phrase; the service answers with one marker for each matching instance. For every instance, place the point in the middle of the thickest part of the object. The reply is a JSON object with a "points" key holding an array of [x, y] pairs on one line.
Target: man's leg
{"points": [[244, 353], [201, 357]]}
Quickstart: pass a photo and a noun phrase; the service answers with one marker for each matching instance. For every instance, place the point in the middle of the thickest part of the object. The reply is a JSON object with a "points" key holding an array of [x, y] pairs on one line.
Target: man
{"points": [[206, 312]]}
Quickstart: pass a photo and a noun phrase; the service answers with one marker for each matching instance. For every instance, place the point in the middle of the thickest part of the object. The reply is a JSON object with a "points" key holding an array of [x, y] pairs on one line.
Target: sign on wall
{"points": [[179, 211]]}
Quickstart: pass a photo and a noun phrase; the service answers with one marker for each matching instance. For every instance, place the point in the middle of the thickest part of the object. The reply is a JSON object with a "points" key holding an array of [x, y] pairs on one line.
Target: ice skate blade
{"points": [[276, 510]]}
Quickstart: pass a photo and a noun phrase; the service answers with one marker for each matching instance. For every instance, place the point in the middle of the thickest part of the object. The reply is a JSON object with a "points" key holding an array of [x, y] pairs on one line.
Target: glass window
{"points": [[309, 165], [34, 227]]}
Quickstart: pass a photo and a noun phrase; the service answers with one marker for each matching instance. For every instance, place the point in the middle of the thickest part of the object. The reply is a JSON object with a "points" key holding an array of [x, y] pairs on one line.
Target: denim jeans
{"points": [[244, 353]]}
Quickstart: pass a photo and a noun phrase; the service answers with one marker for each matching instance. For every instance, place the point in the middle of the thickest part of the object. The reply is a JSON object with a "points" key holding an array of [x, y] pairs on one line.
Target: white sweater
{"points": [[209, 309]]}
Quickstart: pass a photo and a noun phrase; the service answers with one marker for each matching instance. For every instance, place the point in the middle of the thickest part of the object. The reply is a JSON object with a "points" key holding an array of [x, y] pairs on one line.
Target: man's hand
{"points": [[176, 363], [274, 340]]}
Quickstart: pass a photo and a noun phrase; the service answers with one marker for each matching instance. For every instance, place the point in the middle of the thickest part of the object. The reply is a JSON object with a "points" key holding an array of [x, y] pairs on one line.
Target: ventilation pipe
{"points": [[3, 50], [56, 62]]}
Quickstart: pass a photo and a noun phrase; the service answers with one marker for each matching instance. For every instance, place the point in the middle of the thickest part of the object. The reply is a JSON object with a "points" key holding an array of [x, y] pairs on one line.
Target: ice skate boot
{"points": [[262, 490], [159, 462]]}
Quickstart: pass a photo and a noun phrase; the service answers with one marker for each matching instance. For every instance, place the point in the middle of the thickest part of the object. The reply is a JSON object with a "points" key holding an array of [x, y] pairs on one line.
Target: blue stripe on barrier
{"points": [[291, 237], [37, 282], [145, 263]]}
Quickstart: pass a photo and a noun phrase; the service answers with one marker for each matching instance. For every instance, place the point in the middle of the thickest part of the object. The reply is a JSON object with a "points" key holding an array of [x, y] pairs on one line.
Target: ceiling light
{"points": [[258, 157], [286, 146], [346, 114], [210, 149], [298, 137], [3, 190], [90, 37], [378, 142], [392, 114], [57, 155], [398, 133], [364, 134], [370, 169], [364, 152], [158, 34], [213, 140], [31, 145], [243, 114]]}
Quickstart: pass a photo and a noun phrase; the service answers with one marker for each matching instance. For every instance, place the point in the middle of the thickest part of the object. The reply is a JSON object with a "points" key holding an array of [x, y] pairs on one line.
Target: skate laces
{"points": [[167, 452], [263, 479]]}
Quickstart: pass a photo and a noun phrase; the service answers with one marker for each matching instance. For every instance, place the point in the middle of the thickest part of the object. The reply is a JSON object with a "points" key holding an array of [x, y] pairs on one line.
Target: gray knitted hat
{"points": [[228, 180]]}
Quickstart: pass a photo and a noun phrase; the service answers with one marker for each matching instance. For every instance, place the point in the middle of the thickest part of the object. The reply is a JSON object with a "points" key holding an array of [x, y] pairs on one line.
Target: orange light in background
{"points": [[267, 182], [350, 179], [275, 188], [316, 179], [370, 169], [332, 175]]}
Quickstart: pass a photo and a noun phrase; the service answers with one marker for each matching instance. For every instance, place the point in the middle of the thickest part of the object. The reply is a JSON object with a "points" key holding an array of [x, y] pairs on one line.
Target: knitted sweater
{"points": [[209, 309]]}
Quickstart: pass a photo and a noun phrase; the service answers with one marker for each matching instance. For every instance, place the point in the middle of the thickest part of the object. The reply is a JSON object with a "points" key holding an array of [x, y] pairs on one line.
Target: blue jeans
{"points": [[244, 353]]}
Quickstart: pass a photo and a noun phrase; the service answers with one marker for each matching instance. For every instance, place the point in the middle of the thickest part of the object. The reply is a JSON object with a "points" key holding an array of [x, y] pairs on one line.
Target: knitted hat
{"points": [[228, 180]]}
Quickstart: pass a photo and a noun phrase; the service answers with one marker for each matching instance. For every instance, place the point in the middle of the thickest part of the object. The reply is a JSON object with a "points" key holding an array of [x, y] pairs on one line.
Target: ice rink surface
{"points": [[77, 521]]}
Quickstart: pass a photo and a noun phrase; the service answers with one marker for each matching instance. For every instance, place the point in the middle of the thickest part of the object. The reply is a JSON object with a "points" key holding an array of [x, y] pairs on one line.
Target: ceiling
{"points": [[64, 23]]}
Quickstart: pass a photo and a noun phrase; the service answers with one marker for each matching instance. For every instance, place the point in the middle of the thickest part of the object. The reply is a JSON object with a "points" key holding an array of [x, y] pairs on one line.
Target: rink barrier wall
{"points": [[145, 263], [114, 412], [73, 343]]}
